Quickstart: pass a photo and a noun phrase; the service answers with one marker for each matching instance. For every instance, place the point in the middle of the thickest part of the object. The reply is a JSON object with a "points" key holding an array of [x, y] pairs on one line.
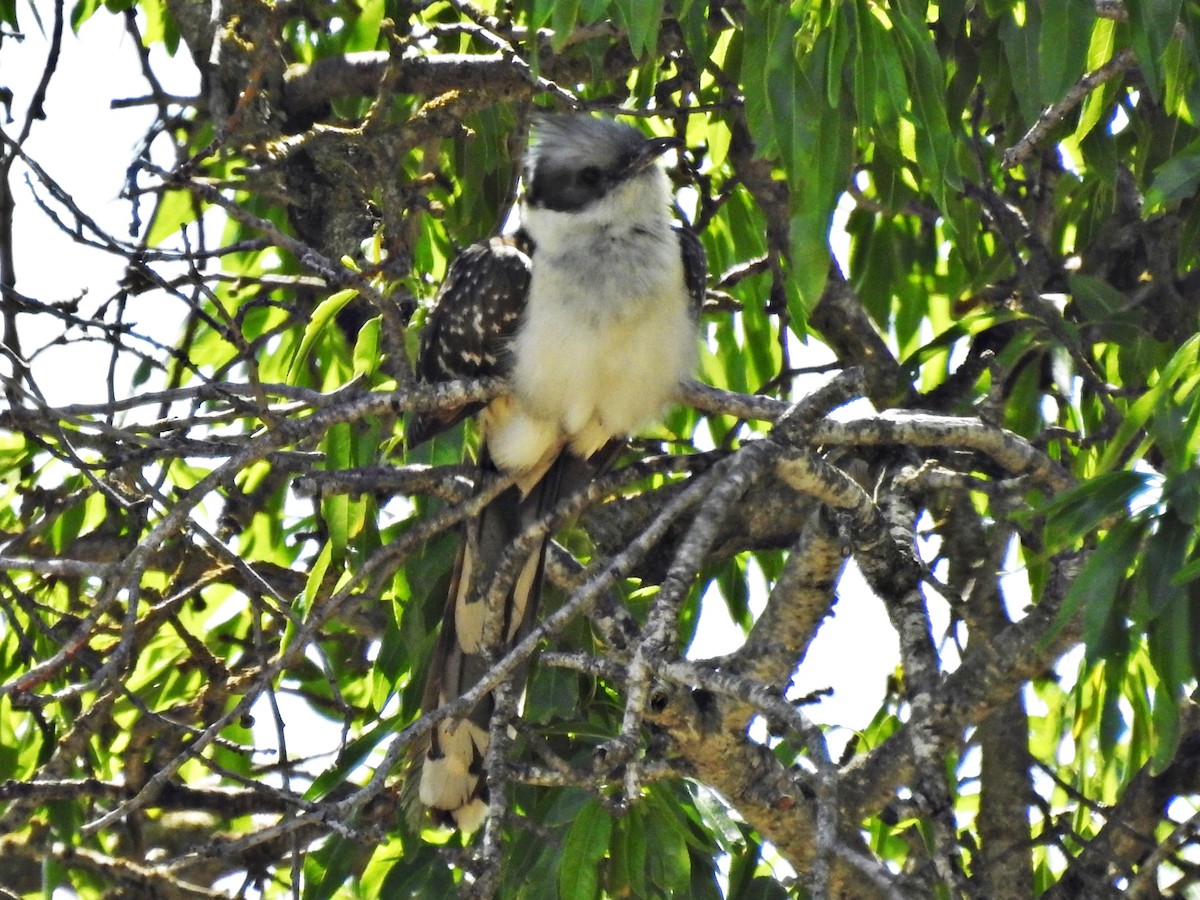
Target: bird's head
{"points": [[581, 163]]}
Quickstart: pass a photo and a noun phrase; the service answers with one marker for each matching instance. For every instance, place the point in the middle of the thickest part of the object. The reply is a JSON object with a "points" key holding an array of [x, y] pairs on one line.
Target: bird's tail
{"points": [[452, 779]]}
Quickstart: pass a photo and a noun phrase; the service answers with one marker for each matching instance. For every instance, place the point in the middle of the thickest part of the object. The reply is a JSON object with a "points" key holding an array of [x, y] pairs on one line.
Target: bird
{"points": [[590, 311]]}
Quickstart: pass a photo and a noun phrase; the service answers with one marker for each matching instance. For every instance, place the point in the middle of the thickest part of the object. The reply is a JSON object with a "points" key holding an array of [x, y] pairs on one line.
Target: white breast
{"points": [[607, 335]]}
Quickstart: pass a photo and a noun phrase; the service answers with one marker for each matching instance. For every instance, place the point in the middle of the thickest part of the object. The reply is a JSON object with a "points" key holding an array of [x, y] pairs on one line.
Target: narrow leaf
{"points": [[1166, 730], [1063, 43], [1100, 51], [1099, 581], [935, 146], [82, 11], [1021, 50], [1151, 23], [366, 348], [1165, 551], [644, 22], [1182, 364], [1080, 510], [174, 210], [316, 575], [1176, 179], [540, 12], [321, 317], [586, 844], [563, 20], [335, 508]]}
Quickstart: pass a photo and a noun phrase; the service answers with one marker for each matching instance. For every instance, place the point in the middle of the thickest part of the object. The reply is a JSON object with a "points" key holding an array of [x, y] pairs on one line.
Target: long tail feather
{"points": [[452, 781]]}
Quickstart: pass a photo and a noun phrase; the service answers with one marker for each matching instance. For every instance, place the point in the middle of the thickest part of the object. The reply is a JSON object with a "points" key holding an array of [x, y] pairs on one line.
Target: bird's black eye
{"points": [[589, 176]]}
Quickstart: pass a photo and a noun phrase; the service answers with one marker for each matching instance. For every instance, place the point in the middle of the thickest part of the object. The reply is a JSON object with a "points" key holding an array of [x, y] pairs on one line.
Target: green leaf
{"points": [[1081, 509], [1170, 643], [1151, 24], [1063, 42], [564, 18], [808, 266], [175, 210], [585, 845], [669, 866], [366, 348], [1166, 730], [1176, 179], [335, 507], [82, 11], [1188, 573], [643, 18], [540, 12], [321, 317], [816, 144], [363, 33], [160, 26], [1020, 41], [68, 526], [1165, 552], [553, 693], [349, 758], [1182, 363], [1180, 65], [715, 814], [418, 875], [693, 18], [867, 73], [1097, 298], [1097, 104], [629, 853], [840, 36], [1181, 493], [892, 100], [1112, 719], [316, 575], [666, 838], [327, 869], [1098, 585], [751, 46], [935, 144], [593, 10]]}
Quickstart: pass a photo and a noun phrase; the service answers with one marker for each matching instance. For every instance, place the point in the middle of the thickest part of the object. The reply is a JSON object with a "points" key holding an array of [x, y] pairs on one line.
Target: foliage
{"points": [[981, 216]]}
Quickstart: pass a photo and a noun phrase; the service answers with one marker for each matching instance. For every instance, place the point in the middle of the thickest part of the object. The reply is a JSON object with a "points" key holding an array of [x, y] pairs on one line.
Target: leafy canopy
{"points": [[982, 214]]}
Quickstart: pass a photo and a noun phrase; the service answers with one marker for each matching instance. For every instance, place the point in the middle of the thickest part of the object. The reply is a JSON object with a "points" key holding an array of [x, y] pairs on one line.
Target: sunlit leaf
{"points": [[322, 317], [367, 349], [175, 210], [935, 154], [80, 13]]}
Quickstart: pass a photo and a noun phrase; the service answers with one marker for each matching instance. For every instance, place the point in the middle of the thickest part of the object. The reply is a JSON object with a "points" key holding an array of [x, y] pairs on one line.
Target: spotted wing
{"points": [[474, 317], [695, 265]]}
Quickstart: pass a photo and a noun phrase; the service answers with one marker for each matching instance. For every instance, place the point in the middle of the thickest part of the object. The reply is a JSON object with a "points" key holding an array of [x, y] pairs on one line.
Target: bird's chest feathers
{"points": [[605, 274], [607, 334]]}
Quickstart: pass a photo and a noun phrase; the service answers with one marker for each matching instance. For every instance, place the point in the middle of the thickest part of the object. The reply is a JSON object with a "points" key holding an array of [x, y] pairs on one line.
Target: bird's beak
{"points": [[652, 150]]}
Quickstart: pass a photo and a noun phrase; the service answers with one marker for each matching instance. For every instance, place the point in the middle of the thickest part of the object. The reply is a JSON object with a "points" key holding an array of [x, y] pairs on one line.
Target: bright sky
{"points": [[86, 146]]}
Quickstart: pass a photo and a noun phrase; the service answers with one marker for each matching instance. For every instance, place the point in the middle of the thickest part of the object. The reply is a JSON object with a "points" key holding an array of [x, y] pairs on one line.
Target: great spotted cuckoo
{"points": [[590, 311]]}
